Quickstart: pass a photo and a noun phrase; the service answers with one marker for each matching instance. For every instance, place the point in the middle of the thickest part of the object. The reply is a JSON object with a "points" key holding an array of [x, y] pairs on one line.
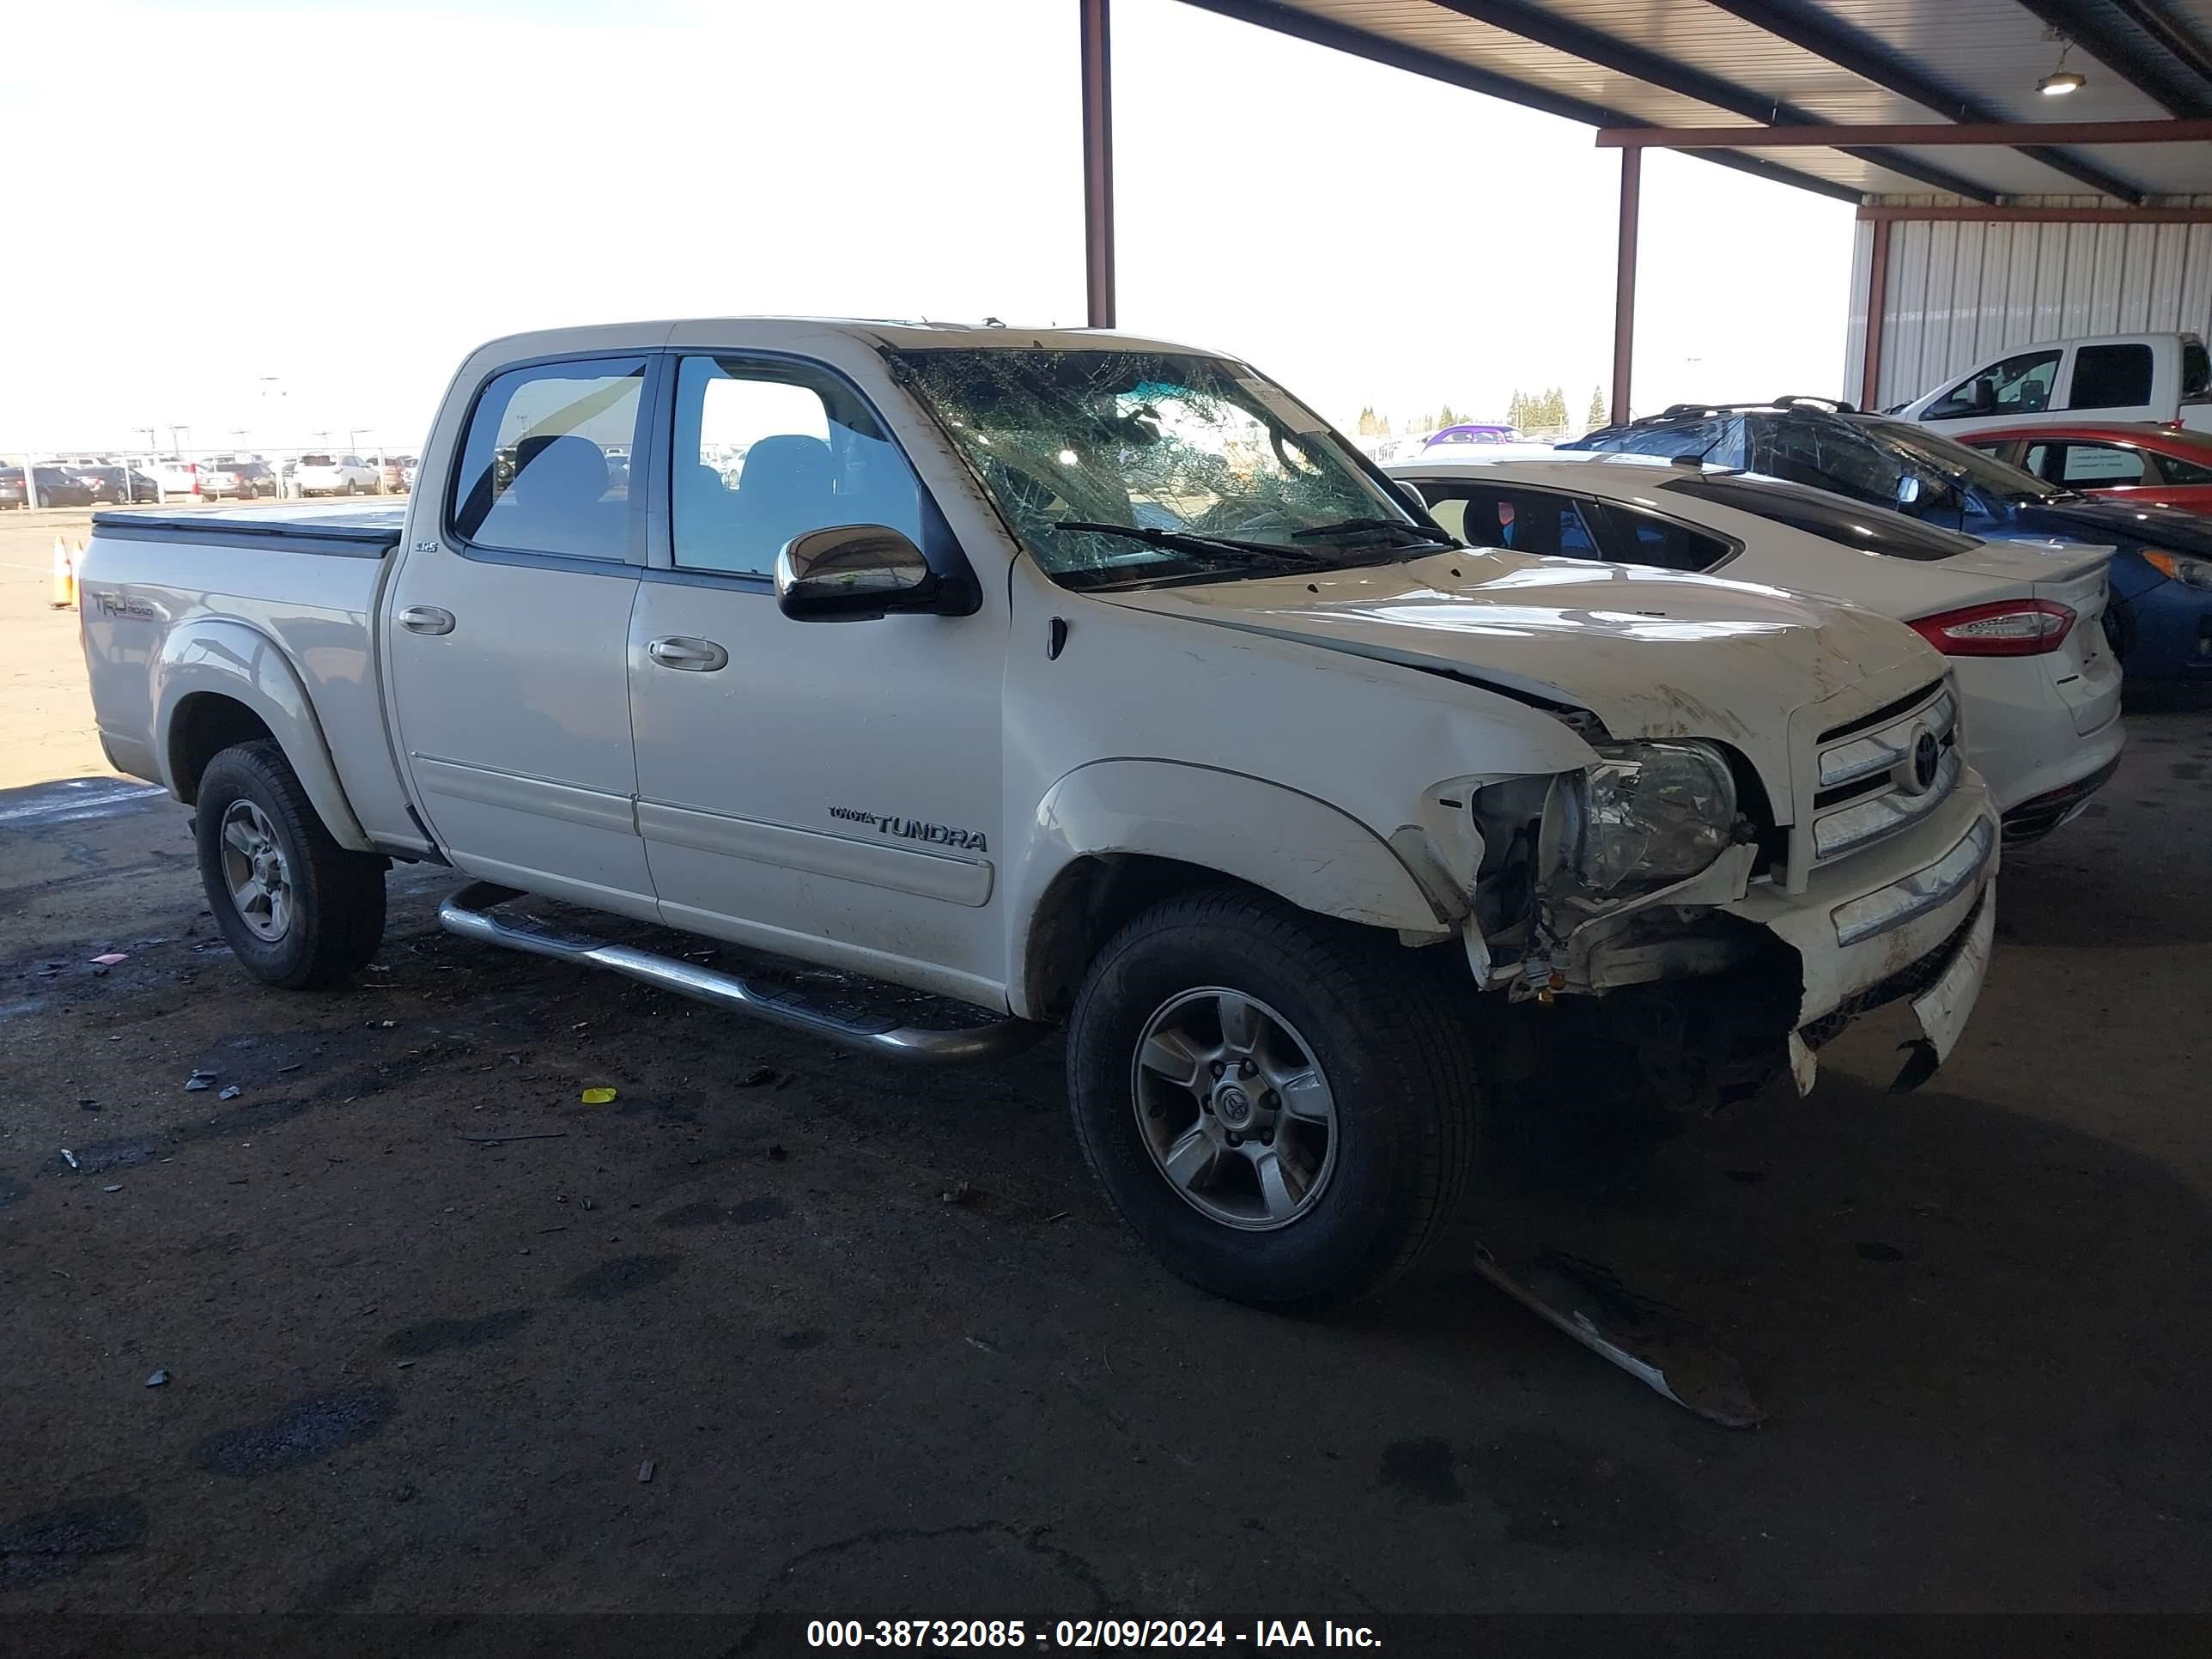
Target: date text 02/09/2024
{"points": [[1084, 1633]]}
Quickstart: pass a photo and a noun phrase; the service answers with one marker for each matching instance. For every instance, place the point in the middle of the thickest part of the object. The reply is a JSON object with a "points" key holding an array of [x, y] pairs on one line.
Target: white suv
{"points": [[335, 475]]}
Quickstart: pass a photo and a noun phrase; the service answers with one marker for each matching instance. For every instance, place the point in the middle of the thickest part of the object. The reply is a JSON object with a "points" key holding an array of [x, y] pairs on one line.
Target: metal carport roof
{"points": [[1926, 96], [1801, 63]]}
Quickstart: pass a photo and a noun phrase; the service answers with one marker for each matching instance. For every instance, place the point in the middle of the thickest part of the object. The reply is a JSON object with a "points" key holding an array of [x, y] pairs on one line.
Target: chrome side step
{"points": [[468, 914]]}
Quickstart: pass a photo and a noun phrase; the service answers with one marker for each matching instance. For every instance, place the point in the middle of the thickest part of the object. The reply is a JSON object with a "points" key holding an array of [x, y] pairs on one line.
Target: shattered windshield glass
{"points": [[1123, 466]]}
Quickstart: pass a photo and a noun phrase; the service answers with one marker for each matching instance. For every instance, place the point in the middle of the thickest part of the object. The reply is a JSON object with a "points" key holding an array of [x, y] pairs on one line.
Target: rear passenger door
{"points": [[506, 637]]}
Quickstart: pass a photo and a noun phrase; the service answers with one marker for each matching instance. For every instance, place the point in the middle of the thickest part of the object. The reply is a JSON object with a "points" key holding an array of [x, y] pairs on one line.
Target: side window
{"points": [[1449, 510], [2195, 372], [1641, 538], [535, 475], [2021, 385], [2110, 377], [1526, 520], [2098, 465], [2176, 471], [1825, 455], [768, 451]]}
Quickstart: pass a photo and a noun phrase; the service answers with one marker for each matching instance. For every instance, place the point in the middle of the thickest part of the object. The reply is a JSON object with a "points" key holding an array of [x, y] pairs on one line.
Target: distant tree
{"points": [[1555, 408], [1599, 414], [1517, 407], [1368, 427], [1382, 425]]}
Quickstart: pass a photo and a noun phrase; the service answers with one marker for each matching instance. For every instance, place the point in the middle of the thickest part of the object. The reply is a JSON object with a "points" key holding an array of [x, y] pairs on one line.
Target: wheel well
{"points": [[205, 724], [1087, 904]]}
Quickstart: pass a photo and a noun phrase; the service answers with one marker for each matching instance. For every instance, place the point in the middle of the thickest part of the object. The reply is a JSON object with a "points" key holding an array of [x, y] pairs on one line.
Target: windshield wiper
{"points": [[1184, 541], [1368, 526]]}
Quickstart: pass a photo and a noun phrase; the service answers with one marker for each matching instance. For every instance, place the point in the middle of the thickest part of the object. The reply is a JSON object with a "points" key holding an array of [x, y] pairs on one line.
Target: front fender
{"points": [[232, 659], [1291, 845]]}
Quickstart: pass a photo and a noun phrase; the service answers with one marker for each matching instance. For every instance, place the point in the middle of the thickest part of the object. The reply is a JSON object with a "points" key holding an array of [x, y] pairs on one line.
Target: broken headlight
{"points": [[1647, 815]]}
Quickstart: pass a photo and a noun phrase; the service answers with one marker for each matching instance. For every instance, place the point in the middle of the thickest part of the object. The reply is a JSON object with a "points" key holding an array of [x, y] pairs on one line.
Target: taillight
{"points": [[2008, 628]]}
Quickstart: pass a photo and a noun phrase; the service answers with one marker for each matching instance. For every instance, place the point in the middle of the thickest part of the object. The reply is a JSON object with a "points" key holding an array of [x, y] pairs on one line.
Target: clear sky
{"points": [[293, 217]]}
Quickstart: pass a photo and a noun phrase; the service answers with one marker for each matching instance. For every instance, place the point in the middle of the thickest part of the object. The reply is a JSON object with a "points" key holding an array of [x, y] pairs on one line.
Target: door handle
{"points": [[700, 656], [426, 619]]}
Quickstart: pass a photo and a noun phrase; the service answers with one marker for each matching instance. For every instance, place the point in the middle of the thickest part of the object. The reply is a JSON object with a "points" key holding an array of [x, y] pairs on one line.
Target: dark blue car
{"points": [[2160, 618]]}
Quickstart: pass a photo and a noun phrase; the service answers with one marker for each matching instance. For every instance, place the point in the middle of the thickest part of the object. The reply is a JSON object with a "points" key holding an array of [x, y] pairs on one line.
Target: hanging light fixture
{"points": [[2061, 80]]}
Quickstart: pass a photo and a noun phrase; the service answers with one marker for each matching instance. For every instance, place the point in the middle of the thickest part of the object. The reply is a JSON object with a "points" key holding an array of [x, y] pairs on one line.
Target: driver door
{"points": [[829, 790]]}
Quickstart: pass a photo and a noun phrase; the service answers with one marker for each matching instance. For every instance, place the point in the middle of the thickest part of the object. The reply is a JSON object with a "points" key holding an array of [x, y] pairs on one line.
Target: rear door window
{"points": [[2111, 376], [2083, 466], [535, 475], [2195, 372], [2021, 385]]}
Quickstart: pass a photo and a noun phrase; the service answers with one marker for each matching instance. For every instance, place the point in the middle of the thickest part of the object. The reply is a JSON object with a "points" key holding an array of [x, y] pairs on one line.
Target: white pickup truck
{"points": [[2110, 377], [1090, 681]]}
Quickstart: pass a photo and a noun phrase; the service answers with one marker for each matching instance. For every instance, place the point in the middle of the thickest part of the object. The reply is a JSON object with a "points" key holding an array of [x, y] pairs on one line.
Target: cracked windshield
{"points": [[1120, 467]]}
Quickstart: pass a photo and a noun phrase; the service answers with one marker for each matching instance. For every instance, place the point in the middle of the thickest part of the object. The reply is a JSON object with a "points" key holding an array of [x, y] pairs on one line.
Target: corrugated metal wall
{"points": [[1961, 293]]}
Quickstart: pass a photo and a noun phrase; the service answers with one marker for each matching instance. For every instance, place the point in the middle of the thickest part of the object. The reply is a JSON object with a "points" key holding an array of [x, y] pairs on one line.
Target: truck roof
{"points": [[792, 332]]}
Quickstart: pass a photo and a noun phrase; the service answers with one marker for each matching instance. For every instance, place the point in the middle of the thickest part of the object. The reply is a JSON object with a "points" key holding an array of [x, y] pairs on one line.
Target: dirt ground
{"points": [[414, 1371]]}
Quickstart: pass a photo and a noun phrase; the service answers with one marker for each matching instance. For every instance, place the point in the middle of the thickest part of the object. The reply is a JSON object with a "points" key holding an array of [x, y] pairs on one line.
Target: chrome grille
{"points": [[1872, 783]]}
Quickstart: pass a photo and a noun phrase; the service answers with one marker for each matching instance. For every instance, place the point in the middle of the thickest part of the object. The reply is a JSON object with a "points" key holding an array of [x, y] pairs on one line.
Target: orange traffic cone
{"points": [[64, 591]]}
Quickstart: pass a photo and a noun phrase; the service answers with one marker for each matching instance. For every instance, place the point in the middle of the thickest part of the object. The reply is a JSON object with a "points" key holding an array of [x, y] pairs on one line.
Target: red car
{"points": [[2142, 463]]}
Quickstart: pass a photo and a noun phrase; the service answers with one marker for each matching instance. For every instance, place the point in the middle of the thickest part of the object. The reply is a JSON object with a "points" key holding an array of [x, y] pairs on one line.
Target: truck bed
{"points": [[274, 607], [359, 533]]}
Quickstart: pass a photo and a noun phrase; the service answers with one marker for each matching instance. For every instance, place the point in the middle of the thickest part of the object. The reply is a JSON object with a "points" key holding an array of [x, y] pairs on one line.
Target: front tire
{"points": [[1283, 1108], [298, 911]]}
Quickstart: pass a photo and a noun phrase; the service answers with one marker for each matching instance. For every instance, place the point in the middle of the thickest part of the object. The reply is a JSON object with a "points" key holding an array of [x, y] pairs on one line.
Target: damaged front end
{"points": [[1644, 905]]}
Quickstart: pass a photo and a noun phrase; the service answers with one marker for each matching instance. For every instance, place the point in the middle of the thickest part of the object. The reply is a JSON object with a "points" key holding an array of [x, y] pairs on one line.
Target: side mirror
{"points": [[1985, 397], [852, 572], [1908, 490]]}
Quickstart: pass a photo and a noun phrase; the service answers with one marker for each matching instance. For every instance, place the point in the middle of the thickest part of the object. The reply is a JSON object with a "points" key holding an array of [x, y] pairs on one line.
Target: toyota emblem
{"points": [[1927, 760]]}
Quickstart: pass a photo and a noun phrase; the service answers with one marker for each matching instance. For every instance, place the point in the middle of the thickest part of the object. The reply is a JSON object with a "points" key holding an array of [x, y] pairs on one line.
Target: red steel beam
{"points": [[1624, 281], [1098, 162], [1935, 133], [1877, 291], [1882, 214]]}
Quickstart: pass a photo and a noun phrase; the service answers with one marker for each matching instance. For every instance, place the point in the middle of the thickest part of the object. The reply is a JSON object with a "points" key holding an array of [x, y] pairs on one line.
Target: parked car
{"points": [[2110, 376], [2039, 683], [115, 486], [2160, 618], [333, 475], [1293, 810], [57, 486], [395, 474], [1471, 431], [218, 480], [177, 478], [12, 493], [2139, 464]]}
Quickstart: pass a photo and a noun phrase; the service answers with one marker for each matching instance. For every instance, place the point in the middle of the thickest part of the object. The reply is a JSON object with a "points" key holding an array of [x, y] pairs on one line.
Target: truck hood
{"points": [[1651, 653]]}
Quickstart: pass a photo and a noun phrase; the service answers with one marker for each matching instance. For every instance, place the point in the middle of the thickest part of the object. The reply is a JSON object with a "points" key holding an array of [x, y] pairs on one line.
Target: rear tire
{"points": [[1367, 1198], [298, 911]]}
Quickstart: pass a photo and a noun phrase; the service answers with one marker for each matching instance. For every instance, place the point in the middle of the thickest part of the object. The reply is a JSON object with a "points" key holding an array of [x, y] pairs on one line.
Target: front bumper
{"points": [[1867, 920]]}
